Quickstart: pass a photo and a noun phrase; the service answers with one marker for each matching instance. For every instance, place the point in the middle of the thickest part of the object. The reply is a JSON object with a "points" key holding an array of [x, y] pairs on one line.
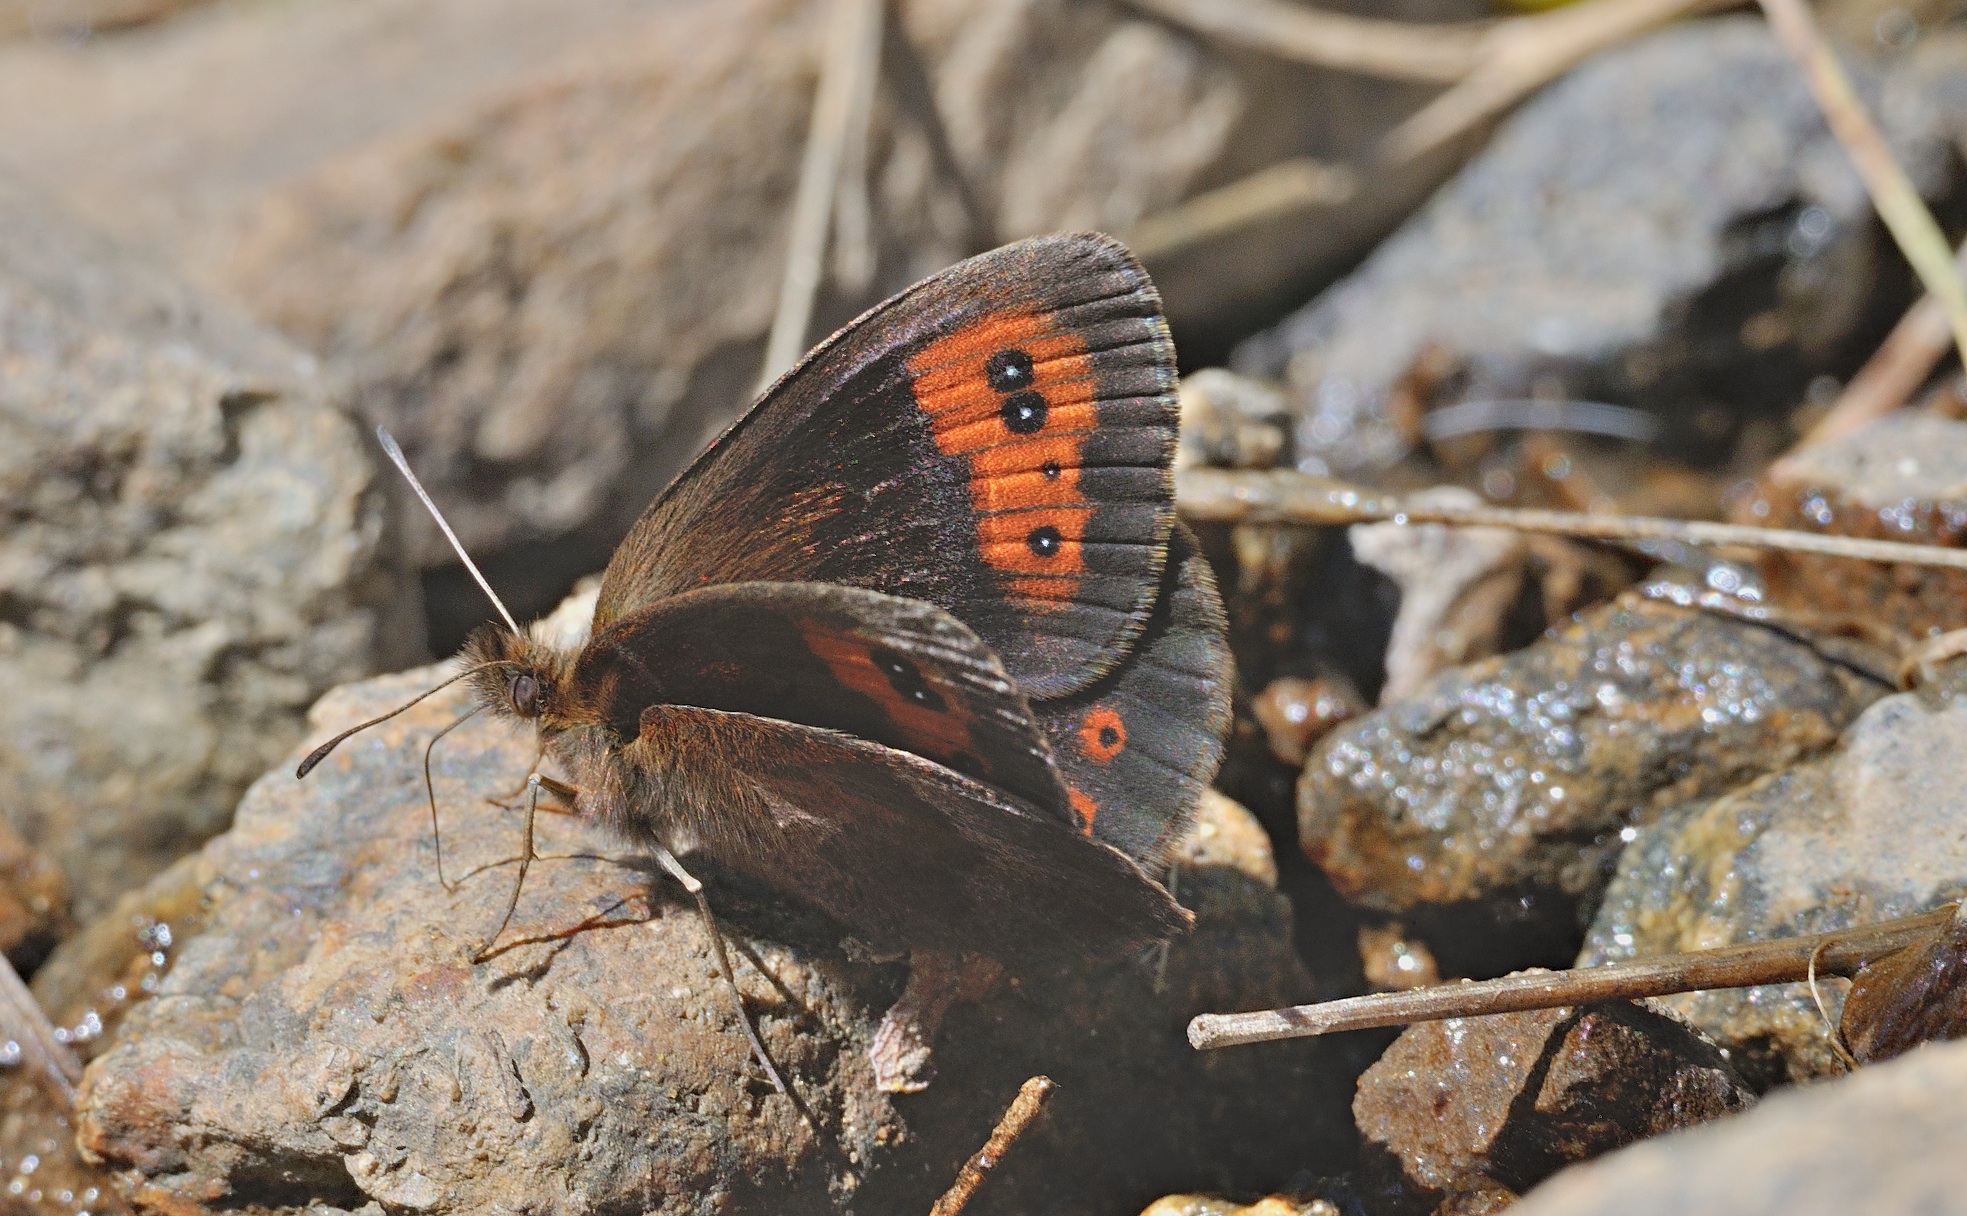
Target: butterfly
{"points": [[919, 639]]}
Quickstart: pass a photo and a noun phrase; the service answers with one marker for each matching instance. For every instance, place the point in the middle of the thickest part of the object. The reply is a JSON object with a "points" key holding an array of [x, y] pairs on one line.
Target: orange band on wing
{"points": [[1013, 395], [931, 724]]}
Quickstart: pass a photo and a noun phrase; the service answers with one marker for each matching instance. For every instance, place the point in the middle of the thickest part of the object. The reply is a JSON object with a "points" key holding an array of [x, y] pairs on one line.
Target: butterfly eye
{"points": [[524, 693]]}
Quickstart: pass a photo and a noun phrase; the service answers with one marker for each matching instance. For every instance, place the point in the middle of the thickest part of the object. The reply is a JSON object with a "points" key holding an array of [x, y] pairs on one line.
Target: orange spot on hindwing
{"points": [[1084, 807], [927, 722], [1013, 396], [1103, 735]]}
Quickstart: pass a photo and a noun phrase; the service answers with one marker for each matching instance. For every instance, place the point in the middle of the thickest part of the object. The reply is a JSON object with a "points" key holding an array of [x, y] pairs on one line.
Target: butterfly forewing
{"points": [[1139, 747], [995, 441]]}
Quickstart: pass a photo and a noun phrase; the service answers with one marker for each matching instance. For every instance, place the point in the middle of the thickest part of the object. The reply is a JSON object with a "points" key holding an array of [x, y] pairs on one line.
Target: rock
{"points": [[1297, 713], [1530, 768], [1457, 586], [1818, 846], [34, 912], [1392, 960], [1230, 421], [1488, 1107], [325, 1038], [1880, 1140], [1902, 478], [1909, 997], [1671, 226], [195, 550]]}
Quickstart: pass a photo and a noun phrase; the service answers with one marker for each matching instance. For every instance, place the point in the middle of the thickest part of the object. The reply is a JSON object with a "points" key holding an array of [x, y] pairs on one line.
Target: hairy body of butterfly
{"points": [[919, 639]]}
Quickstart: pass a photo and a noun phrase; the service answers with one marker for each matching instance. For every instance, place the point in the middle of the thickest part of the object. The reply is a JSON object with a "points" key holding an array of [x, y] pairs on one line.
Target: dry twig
{"points": [[1018, 1116], [1787, 961], [1283, 496], [852, 54], [1892, 192], [1289, 186]]}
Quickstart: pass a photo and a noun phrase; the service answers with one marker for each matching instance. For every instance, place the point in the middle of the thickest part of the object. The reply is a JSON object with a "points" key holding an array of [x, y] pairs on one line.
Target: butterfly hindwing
{"points": [[996, 441], [1138, 748], [898, 672], [908, 852]]}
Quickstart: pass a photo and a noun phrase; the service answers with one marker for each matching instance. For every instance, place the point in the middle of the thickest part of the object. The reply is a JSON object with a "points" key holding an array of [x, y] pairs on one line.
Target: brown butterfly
{"points": [[919, 639]]}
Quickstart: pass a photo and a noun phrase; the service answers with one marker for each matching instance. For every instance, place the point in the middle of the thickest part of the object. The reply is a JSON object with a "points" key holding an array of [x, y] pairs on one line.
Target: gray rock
{"points": [[1529, 768], [1472, 1106], [1671, 226], [323, 1037], [1875, 830], [194, 550], [1882, 1141]]}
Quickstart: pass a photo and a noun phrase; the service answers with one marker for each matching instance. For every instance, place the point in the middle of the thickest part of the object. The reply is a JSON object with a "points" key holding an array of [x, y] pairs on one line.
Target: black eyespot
{"points": [[1008, 370], [906, 679], [1044, 541], [1051, 470], [524, 693], [1024, 413], [1109, 737]]}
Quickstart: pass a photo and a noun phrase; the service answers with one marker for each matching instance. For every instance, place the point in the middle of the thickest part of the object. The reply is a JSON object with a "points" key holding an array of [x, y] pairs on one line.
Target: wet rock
{"points": [[1671, 226], [1881, 1140], [1872, 831], [194, 550], [1531, 767], [324, 1037], [1392, 959], [1457, 586], [1481, 1109], [1296, 713], [1902, 478]]}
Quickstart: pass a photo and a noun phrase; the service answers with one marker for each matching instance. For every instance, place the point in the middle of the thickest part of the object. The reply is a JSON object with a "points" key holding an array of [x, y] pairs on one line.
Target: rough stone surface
{"points": [[1570, 259], [325, 1038], [1527, 768], [1883, 1140], [1875, 830], [1902, 478], [1497, 1104], [193, 550]]}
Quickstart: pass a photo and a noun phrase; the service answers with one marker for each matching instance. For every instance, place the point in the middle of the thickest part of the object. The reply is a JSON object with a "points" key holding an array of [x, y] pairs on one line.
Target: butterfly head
{"points": [[518, 676]]}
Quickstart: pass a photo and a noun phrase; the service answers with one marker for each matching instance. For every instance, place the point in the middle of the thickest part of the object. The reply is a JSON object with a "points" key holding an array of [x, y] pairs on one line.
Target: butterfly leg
{"points": [[690, 883], [525, 862], [902, 1043]]}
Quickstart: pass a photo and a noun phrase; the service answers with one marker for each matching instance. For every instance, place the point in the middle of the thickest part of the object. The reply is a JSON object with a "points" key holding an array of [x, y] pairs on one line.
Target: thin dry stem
{"points": [[1284, 496], [1892, 192], [1787, 961], [852, 52], [1017, 1117], [1400, 50], [1282, 189]]}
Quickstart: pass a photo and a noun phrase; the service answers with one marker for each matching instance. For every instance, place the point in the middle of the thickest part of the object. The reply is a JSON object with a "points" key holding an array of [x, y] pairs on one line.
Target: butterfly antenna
{"points": [[321, 753], [396, 457]]}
